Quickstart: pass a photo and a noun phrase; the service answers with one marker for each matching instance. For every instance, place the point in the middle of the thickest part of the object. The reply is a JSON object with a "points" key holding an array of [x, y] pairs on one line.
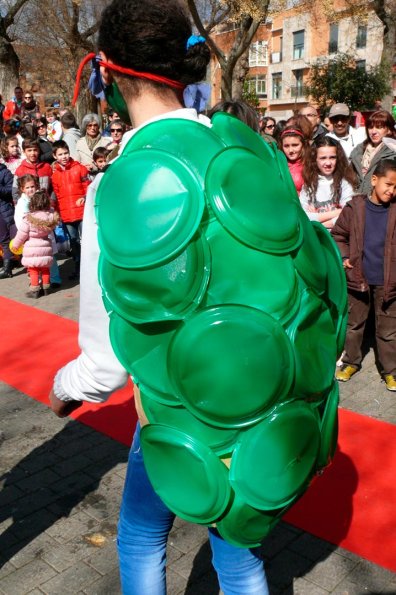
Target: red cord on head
{"points": [[144, 75], [292, 132]]}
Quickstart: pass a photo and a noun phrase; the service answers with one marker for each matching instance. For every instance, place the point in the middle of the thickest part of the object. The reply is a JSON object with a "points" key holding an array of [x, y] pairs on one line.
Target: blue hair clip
{"points": [[193, 40]]}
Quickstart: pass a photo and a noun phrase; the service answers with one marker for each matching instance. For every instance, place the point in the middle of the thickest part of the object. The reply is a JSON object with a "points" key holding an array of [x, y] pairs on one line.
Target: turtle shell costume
{"points": [[228, 308]]}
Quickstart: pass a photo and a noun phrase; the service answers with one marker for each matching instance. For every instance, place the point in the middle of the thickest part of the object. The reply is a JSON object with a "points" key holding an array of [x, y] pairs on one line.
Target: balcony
{"points": [[298, 92]]}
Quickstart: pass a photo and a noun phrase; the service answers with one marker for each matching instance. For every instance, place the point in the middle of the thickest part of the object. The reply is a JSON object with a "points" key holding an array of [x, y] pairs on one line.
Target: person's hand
{"points": [[80, 201], [347, 264], [62, 408]]}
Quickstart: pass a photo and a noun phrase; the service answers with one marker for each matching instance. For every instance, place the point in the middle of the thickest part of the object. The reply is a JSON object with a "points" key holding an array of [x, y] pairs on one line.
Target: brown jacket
{"points": [[348, 232]]}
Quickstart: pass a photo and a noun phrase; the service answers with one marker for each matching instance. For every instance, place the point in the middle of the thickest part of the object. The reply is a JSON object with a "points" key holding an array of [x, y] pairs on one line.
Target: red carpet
{"points": [[352, 505]]}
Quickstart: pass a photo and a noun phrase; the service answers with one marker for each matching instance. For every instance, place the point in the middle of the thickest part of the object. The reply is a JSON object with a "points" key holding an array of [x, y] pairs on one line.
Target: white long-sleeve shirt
{"points": [[324, 199], [97, 373]]}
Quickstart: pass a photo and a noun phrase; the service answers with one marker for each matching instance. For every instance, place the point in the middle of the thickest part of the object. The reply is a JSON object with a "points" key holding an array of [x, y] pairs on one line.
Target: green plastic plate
{"points": [[273, 460], [148, 209], [166, 292], [230, 364], [185, 473], [252, 203]]}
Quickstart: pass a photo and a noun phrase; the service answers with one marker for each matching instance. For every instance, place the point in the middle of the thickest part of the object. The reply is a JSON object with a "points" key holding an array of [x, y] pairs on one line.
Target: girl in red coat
{"points": [[70, 181], [294, 144]]}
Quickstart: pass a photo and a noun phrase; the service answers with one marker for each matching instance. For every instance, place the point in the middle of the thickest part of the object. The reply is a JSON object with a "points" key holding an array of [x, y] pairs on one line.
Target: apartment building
{"points": [[283, 50]]}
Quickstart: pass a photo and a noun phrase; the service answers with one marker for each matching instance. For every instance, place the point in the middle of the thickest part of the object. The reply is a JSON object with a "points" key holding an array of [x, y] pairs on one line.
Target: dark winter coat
{"points": [[6, 202], [348, 232]]}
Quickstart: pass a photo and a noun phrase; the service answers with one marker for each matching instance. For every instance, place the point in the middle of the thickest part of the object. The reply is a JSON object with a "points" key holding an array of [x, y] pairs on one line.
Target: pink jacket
{"points": [[33, 235]]}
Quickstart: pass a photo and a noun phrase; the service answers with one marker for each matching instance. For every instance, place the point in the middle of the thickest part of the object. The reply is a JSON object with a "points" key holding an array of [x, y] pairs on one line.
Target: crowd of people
{"points": [[48, 152]]}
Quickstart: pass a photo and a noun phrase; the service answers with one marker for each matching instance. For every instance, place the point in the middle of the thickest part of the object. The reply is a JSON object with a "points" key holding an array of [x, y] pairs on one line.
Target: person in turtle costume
{"points": [[202, 277]]}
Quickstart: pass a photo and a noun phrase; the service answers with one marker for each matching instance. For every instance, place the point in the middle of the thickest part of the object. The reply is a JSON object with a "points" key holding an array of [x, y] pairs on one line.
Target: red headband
{"points": [[292, 132], [143, 75]]}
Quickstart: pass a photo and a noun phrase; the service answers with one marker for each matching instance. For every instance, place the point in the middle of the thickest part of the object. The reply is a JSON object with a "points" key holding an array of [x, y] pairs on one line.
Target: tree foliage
{"points": [[245, 16], [9, 61], [340, 80]]}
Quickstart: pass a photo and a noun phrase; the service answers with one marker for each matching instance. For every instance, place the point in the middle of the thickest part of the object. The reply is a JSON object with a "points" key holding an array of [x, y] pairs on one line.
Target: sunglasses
{"points": [[270, 126], [28, 96], [41, 126], [115, 129]]}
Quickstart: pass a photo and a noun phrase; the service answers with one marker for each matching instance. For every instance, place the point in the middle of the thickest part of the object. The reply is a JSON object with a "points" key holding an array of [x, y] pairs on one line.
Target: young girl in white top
{"points": [[11, 153], [328, 182]]}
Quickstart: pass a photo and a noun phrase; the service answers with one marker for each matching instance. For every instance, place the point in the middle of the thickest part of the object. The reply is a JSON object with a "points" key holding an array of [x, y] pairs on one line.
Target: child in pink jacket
{"points": [[33, 234]]}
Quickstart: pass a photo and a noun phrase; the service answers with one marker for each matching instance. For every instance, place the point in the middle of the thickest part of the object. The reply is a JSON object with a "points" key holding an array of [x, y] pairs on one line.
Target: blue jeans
{"points": [[74, 230], [144, 526]]}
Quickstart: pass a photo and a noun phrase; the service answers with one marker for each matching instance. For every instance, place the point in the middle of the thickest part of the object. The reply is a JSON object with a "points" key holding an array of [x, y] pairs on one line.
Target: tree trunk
{"points": [[9, 69], [240, 73], [226, 84]]}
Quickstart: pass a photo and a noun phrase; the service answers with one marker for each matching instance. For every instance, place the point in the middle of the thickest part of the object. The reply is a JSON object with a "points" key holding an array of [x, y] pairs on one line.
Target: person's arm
{"points": [[341, 231], [96, 373]]}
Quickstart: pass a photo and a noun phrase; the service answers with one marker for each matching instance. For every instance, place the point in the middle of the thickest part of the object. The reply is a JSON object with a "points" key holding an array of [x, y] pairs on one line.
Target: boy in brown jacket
{"points": [[365, 233]]}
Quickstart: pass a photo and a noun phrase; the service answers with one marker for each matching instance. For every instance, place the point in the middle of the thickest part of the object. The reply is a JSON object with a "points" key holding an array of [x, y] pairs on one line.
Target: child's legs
{"points": [[45, 275], [358, 311], [144, 526], [385, 331], [74, 229], [54, 272], [240, 571], [34, 276]]}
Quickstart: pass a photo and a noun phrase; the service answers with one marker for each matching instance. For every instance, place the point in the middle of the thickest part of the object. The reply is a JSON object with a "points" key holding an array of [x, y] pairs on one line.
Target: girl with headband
{"points": [[147, 57], [294, 144]]}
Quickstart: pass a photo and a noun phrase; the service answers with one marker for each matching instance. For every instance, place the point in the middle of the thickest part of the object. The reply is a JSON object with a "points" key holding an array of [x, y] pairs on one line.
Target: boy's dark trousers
{"points": [[359, 304]]}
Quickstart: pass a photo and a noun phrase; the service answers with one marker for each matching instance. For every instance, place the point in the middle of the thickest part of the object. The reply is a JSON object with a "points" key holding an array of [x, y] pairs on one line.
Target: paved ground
{"points": [[61, 486]]}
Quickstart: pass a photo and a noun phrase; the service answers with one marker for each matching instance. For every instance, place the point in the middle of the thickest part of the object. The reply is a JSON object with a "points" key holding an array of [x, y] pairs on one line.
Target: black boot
{"points": [[6, 271]]}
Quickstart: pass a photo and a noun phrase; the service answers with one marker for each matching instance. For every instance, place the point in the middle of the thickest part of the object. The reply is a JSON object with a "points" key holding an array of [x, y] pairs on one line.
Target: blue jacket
{"points": [[6, 202]]}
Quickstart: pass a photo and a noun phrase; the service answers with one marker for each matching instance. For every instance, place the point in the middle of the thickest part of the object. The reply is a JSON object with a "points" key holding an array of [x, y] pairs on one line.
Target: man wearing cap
{"points": [[318, 130], [347, 136]]}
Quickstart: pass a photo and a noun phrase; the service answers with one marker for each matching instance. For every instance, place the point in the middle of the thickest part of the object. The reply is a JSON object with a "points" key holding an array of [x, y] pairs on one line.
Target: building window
{"points": [[298, 44], [258, 54], [258, 85], [333, 38], [277, 85], [298, 89], [277, 48], [361, 38], [361, 64]]}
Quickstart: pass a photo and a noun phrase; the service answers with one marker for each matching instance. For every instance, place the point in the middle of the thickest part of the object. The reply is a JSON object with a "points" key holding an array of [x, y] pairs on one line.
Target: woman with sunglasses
{"points": [[267, 125], [40, 134], [30, 106], [91, 139], [117, 131]]}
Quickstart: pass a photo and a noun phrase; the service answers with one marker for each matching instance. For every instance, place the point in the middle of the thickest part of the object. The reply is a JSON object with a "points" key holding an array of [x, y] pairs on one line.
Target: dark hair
{"points": [[100, 152], [240, 110], [30, 143], [264, 121], [151, 36], [302, 123], [343, 169], [291, 130], [119, 123], [383, 166], [40, 201], [23, 180], [59, 144], [12, 126], [279, 128], [381, 119], [68, 120]]}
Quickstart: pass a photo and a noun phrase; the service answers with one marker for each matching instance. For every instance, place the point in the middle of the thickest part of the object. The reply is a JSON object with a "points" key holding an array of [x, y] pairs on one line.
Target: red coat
{"points": [[40, 169], [70, 183], [12, 109]]}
